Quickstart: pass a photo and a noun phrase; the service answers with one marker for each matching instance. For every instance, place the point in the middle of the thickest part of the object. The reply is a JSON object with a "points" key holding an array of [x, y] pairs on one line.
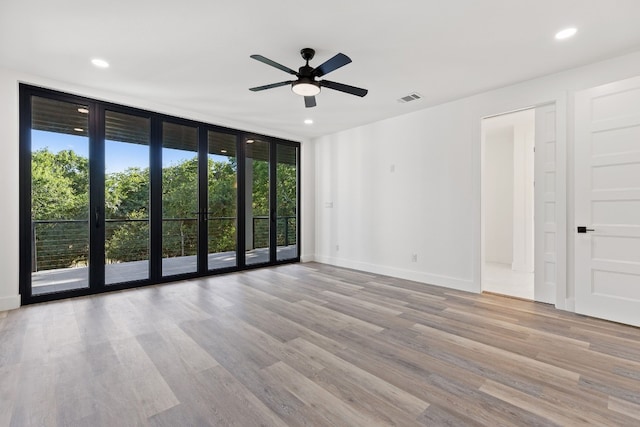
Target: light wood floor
{"points": [[309, 344]]}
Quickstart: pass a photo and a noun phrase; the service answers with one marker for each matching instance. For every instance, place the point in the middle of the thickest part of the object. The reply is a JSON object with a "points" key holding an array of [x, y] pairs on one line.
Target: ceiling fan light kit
{"points": [[305, 87], [306, 84]]}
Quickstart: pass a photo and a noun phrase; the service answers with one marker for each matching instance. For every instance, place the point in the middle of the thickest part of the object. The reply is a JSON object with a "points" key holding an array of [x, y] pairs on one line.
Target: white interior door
{"points": [[548, 229], [607, 201]]}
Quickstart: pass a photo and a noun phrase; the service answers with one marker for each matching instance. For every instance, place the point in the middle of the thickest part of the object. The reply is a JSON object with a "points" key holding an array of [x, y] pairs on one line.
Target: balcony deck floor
{"points": [[63, 279]]}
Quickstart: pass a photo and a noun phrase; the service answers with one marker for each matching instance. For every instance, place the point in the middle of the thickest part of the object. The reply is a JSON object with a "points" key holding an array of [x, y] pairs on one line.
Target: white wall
{"points": [[9, 297], [398, 188], [430, 203], [9, 80], [498, 195]]}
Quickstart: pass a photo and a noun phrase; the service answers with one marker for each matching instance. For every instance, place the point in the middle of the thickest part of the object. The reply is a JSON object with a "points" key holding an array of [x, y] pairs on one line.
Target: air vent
{"points": [[411, 97]]}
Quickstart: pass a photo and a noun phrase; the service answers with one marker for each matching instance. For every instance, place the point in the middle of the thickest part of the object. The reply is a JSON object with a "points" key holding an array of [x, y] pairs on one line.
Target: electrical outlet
{"points": [[414, 257]]}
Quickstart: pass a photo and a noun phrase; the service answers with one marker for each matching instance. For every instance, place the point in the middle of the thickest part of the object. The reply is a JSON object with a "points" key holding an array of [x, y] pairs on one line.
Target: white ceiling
{"points": [[194, 54]]}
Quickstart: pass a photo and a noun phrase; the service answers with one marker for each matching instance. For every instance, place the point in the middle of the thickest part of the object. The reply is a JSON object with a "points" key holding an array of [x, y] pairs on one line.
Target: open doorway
{"points": [[508, 142]]}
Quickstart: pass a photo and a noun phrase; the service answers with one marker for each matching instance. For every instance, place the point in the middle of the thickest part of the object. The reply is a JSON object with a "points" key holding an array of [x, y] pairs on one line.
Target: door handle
{"points": [[583, 229], [203, 213], [97, 216]]}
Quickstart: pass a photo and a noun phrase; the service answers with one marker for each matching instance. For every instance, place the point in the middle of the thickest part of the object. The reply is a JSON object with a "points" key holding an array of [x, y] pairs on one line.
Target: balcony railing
{"points": [[285, 235], [65, 243], [59, 244]]}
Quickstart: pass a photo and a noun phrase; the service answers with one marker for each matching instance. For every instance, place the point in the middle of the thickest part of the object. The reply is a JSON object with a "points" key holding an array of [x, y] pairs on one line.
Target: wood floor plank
{"points": [[395, 396], [623, 407], [556, 413], [459, 394], [437, 415], [312, 345], [281, 327], [9, 386], [136, 368], [335, 411], [239, 406], [503, 355], [188, 350]]}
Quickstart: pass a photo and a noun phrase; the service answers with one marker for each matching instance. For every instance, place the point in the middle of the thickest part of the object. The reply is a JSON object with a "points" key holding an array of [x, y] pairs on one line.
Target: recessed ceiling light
{"points": [[83, 110], [308, 122], [223, 151], [100, 63], [78, 129], [566, 33], [249, 141]]}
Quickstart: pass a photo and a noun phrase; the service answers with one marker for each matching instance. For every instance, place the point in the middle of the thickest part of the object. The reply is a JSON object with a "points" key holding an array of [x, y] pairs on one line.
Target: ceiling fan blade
{"points": [[309, 101], [340, 60], [271, 86], [273, 64], [344, 88]]}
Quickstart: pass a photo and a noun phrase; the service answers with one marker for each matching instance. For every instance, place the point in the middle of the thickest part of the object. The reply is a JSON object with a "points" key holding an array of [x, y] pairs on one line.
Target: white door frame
{"points": [[560, 101], [518, 123]]}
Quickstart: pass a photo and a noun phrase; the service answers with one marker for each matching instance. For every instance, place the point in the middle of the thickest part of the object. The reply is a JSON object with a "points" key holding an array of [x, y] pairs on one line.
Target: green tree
{"points": [[286, 200], [127, 193], [127, 198], [59, 185], [179, 204], [128, 241], [59, 191], [286, 197], [222, 205]]}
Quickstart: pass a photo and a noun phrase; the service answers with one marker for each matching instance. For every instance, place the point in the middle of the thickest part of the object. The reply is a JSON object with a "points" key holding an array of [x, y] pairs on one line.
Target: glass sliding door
{"points": [[59, 163], [286, 202], [221, 214], [113, 197], [126, 192], [180, 211], [257, 202]]}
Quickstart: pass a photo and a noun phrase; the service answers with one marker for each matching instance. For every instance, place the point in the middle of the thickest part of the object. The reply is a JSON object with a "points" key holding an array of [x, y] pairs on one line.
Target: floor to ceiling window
{"points": [[113, 197], [257, 208], [126, 197], [286, 201], [179, 199], [222, 203], [59, 193]]}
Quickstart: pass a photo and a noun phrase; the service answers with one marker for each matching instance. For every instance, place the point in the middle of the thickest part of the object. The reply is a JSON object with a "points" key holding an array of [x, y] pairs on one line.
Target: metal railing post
{"points": [[253, 233], [34, 248], [286, 231]]}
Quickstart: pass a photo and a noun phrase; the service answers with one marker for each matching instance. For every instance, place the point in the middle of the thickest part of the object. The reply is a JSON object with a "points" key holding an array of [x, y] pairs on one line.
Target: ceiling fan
{"points": [[306, 84]]}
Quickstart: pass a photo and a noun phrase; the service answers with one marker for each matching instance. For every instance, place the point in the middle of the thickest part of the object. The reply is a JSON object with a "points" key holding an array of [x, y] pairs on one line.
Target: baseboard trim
{"points": [[570, 304], [416, 276], [307, 258], [9, 303]]}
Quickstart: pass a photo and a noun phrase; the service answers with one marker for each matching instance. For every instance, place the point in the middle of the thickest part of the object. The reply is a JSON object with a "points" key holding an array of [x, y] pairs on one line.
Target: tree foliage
{"points": [[60, 183]]}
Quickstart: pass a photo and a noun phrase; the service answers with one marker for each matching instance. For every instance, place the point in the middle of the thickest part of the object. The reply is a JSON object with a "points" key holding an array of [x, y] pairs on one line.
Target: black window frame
{"points": [[96, 143]]}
